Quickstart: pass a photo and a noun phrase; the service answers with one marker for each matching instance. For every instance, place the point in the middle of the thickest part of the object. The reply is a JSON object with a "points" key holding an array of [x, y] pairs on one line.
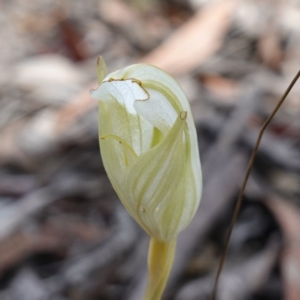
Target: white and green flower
{"points": [[149, 148]]}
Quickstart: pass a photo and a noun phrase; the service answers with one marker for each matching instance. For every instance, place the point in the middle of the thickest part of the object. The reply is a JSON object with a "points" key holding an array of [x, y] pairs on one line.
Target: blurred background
{"points": [[63, 233]]}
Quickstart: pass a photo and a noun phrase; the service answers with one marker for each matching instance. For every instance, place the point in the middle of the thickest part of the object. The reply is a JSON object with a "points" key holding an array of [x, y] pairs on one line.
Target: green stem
{"points": [[160, 261]]}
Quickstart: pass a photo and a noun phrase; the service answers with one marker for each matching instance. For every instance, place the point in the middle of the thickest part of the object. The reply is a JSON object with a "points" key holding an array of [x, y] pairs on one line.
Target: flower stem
{"points": [[160, 261]]}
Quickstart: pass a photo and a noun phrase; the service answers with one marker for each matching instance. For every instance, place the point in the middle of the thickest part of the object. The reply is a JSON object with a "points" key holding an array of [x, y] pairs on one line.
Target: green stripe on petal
{"points": [[155, 174], [129, 154]]}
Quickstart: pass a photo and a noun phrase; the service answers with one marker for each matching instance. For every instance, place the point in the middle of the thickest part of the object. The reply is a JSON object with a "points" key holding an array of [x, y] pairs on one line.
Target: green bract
{"points": [[149, 148]]}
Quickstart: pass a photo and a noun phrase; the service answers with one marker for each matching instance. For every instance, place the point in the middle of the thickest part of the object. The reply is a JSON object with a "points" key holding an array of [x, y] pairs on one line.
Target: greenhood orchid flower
{"points": [[149, 149]]}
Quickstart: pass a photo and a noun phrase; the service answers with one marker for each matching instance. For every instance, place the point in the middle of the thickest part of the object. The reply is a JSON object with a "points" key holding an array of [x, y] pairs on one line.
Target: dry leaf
{"points": [[195, 41]]}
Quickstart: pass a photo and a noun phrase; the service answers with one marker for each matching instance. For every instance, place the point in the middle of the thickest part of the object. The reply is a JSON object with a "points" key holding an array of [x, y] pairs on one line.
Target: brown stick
{"points": [[249, 169]]}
